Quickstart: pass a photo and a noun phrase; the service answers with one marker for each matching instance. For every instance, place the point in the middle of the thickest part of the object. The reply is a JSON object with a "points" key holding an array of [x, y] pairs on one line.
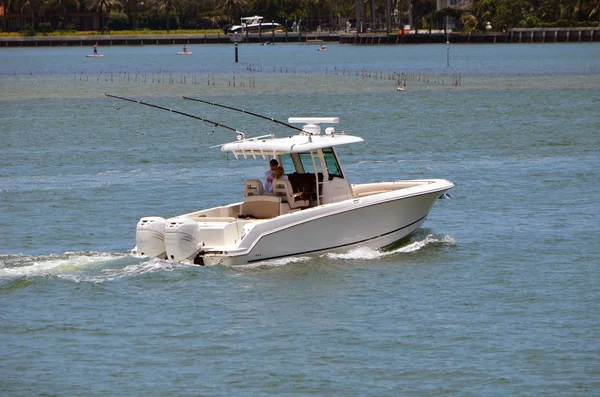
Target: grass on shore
{"points": [[117, 32]]}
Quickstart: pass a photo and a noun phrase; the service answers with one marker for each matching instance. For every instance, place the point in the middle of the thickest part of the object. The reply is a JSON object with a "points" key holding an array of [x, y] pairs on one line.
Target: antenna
{"points": [[214, 123], [246, 112]]}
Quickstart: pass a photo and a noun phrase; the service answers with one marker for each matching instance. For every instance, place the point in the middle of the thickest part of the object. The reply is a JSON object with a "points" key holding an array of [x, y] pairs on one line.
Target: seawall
{"points": [[517, 35]]}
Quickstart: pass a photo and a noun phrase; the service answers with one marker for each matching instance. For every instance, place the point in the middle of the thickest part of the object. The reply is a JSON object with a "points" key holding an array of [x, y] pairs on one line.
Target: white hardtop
{"points": [[256, 17], [309, 139]]}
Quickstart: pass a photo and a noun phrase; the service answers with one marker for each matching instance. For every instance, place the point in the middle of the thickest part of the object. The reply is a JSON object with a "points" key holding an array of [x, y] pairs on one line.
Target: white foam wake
{"points": [[56, 264], [366, 253], [274, 262], [360, 253], [96, 267]]}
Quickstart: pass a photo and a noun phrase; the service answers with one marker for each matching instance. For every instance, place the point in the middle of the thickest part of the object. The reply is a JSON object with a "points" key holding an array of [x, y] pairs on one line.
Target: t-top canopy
{"points": [[312, 124], [301, 143]]}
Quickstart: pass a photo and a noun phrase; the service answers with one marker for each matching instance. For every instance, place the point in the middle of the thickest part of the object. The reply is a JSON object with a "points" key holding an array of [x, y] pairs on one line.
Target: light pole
{"points": [[447, 44]]}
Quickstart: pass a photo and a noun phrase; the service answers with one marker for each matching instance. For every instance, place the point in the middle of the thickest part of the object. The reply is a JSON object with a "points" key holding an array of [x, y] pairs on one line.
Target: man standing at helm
{"points": [[270, 175]]}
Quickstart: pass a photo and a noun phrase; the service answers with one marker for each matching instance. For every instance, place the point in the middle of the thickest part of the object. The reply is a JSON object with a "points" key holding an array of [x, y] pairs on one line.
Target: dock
{"points": [[163, 39], [516, 35]]}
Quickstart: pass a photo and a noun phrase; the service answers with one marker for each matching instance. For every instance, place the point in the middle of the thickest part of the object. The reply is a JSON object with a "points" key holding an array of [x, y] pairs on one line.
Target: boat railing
{"points": [[213, 219], [369, 189]]}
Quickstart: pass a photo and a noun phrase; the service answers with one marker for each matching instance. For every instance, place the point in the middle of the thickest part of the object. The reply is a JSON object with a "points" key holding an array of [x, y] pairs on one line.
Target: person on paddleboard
{"points": [[96, 48]]}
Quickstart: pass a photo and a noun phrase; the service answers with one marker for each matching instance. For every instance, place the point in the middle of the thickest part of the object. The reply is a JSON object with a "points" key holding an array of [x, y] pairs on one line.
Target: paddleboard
{"points": [[95, 55], [184, 53]]}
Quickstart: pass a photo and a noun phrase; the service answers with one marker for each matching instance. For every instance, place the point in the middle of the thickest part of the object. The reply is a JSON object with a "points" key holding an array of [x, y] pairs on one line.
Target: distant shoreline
{"points": [[517, 35]]}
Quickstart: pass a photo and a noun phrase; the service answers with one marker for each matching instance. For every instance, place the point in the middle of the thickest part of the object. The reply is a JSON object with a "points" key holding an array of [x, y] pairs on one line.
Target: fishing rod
{"points": [[247, 112], [214, 123]]}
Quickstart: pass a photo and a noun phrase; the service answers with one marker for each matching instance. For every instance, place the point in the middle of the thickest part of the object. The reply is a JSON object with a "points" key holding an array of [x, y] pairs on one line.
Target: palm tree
{"points": [[388, 16], [233, 9], [359, 7], [5, 7], [469, 22], [102, 6], [130, 8], [595, 11], [65, 4], [167, 6], [373, 15], [33, 6]]}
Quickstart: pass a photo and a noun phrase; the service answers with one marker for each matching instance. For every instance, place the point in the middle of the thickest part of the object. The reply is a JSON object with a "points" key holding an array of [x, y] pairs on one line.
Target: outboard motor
{"points": [[150, 237], [180, 239]]}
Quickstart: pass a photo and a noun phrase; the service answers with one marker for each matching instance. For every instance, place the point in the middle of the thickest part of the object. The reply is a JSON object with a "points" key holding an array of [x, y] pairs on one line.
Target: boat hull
{"points": [[378, 215], [376, 221], [266, 27]]}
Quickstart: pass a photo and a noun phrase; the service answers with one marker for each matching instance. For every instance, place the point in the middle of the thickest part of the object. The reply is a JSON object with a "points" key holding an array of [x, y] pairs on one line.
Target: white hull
{"points": [[334, 227], [392, 215], [263, 28]]}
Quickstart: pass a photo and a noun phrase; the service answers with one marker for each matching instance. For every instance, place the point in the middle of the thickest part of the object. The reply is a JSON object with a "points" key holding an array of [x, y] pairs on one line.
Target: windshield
{"points": [[287, 163], [333, 167], [307, 162]]}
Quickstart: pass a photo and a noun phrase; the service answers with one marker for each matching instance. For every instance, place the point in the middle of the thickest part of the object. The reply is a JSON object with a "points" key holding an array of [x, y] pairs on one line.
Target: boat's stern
{"points": [[185, 237]]}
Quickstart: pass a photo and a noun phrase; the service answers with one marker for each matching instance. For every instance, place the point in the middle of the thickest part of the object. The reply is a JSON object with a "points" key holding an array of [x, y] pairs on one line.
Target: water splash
{"points": [[42, 265], [95, 267], [367, 253], [363, 253], [273, 263]]}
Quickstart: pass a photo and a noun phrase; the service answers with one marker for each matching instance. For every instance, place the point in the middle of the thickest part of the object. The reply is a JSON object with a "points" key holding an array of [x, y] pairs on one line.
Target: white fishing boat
{"points": [[254, 24], [315, 210]]}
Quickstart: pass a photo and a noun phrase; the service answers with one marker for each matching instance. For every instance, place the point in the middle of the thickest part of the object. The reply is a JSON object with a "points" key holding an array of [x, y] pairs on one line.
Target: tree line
{"points": [[326, 15]]}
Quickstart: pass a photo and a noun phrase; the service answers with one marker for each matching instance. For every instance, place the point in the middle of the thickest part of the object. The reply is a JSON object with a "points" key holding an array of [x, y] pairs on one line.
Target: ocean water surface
{"points": [[498, 293]]}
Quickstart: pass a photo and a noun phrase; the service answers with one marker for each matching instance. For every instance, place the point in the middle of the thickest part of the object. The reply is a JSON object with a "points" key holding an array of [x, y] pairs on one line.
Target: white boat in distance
{"points": [[253, 25], [315, 211]]}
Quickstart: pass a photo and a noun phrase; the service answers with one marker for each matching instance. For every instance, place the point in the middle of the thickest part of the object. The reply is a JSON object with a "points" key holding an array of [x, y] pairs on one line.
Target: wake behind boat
{"points": [[314, 210]]}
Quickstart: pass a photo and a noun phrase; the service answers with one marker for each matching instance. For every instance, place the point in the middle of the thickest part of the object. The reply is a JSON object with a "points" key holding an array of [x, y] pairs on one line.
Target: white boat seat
{"points": [[283, 188], [253, 187], [263, 207]]}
